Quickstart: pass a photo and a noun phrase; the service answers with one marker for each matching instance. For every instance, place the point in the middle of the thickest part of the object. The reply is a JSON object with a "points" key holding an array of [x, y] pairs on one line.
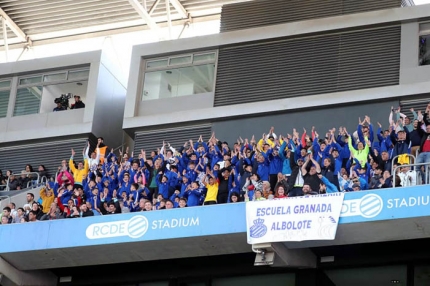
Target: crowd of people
{"points": [[215, 172], [27, 178]]}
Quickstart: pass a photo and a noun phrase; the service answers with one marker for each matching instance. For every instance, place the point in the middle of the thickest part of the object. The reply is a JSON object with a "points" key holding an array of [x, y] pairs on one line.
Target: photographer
{"points": [[78, 103], [59, 107]]}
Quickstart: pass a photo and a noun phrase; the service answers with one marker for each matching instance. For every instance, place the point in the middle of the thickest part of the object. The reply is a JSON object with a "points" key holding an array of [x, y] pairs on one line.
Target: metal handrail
{"points": [[19, 174], [410, 165], [394, 159], [43, 181]]}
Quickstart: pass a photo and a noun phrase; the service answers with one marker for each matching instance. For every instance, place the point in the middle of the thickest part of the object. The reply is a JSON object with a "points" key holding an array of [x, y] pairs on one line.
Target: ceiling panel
{"points": [[51, 17]]}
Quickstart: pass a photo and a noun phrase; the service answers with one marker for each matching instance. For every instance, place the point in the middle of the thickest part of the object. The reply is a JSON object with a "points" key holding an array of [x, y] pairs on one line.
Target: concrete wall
{"points": [[103, 95], [410, 71], [109, 102], [413, 79], [50, 124], [322, 118]]}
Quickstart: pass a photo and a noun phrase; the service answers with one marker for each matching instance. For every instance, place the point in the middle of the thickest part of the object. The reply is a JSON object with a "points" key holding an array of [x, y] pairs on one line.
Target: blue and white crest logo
{"points": [[371, 205], [258, 229], [137, 226]]}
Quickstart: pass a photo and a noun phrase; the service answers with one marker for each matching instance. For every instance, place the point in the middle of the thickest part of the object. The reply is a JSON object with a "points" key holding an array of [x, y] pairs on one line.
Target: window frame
{"points": [[422, 32], [426, 31], [45, 83], [42, 75], [10, 92], [145, 69]]}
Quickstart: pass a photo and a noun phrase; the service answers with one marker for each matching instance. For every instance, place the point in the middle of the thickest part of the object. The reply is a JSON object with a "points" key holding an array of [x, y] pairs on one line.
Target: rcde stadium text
{"points": [[408, 202], [136, 228], [173, 223]]}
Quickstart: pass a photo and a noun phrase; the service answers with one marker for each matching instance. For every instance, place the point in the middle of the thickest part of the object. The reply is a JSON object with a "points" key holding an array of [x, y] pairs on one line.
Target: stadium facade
{"points": [[286, 64]]}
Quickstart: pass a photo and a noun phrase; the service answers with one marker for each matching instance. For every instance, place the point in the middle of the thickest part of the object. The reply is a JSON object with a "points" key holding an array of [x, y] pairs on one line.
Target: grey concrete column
{"points": [[278, 255], [9, 276], [300, 258], [410, 71]]}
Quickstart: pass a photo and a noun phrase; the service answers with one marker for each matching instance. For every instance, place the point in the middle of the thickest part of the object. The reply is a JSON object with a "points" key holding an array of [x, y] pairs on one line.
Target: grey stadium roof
{"points": [[44, 20]]}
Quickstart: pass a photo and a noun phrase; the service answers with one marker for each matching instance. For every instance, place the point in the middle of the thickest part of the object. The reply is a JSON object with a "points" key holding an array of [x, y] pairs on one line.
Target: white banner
{"points": [[293, 219]]}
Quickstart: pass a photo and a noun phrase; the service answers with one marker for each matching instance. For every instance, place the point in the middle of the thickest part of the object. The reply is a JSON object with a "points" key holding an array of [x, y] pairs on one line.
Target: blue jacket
{"points": [[330, 187], [286, 168], [193, 197], [172, 178], [275, 163], [163, 188], [124, 187], [319, 155], [144, 193], [346, 153], [360, 133], [215, 156], [400, 147], [192, 175], [263, 168]]}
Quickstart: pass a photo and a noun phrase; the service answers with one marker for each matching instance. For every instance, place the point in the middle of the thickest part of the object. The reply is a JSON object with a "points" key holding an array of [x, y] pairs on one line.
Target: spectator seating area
{"points": [[209, 171]]}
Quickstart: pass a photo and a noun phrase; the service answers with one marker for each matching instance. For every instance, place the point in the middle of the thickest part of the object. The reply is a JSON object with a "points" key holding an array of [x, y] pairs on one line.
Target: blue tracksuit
{"points": [[163, 188], [193, 197], [275, 163], [286, 168], [263, 168]]}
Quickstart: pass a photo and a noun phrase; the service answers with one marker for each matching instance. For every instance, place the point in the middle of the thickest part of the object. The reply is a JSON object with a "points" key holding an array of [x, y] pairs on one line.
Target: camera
{"points": [[64, 99]]}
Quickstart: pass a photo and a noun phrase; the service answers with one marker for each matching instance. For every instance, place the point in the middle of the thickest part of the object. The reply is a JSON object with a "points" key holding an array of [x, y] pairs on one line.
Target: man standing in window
{"points": [[59, 107], [78, 103]]}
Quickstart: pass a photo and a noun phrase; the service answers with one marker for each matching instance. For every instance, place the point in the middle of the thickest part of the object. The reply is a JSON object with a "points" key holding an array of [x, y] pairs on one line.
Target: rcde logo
{"points": [[135, 227], [368, 206], [371, 205]]}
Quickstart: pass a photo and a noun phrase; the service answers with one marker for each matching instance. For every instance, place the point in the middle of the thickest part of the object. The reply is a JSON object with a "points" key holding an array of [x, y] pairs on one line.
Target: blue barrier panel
{"points": [[386, 204], [367, 206], [120, 228]]}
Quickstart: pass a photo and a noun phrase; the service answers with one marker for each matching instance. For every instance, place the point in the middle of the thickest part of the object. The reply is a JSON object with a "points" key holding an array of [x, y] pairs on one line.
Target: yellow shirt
{"points": [[46, 201], [78, 175], [212, 192]]}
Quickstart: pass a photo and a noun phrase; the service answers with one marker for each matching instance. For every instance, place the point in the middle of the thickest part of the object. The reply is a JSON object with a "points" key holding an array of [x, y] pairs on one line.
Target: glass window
{"points": [[81, 74], [4, 102], [204, 57], [29, 80], [424, 28], [178, 82], [180, 60], [5, 84], [156, 63], [27, 100], [424, 52], [54, 77]]}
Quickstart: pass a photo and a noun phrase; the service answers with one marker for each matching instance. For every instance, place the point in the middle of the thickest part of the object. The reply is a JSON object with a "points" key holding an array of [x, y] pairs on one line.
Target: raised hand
{"points": [[73, 152]]}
